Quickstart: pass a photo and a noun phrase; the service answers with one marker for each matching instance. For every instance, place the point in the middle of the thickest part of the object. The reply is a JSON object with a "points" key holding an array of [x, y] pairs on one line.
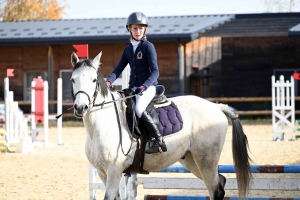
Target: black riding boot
{"points": [[159, 143]]}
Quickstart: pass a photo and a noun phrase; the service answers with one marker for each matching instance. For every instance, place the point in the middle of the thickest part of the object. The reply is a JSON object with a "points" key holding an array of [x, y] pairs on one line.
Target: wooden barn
{"points": [[204, 55]]}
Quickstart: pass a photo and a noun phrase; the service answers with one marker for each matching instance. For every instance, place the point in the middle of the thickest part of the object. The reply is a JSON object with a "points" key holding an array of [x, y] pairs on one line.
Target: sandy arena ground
{"points": [[61, 172]]}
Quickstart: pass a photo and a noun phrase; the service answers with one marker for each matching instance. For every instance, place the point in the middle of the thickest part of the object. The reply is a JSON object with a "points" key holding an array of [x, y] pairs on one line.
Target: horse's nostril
{"points": [[75, 106], [86, 107]]}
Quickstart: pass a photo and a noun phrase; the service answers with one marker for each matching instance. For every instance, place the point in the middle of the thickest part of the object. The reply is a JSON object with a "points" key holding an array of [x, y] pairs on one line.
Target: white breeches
{"points": [[143, 101]]}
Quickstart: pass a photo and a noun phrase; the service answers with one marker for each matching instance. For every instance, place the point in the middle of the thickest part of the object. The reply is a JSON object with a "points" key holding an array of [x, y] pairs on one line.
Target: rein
{"points": [[101, 105], [113, 101], [119, 124], [96, 105]]}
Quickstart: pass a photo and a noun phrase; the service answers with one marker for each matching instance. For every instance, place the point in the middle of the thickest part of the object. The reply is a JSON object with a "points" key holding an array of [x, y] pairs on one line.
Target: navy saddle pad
{"points": [[170, 120]]}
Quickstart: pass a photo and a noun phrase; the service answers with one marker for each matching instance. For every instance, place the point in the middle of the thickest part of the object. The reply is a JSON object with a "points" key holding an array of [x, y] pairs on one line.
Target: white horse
{"points": [[197, 146]]}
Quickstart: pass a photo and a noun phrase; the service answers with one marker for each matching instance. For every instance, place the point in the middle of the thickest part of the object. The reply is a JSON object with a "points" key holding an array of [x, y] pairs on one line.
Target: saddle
{"points": [[137, 129]]}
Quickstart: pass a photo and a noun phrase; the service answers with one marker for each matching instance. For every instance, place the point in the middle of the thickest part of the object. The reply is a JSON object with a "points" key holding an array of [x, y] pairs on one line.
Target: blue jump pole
{"points": [[177, 197], [178, 168]]}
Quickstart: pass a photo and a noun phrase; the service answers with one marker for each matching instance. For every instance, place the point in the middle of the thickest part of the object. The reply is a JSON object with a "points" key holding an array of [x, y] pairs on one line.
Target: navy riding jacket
{"points": [[143, 65]]}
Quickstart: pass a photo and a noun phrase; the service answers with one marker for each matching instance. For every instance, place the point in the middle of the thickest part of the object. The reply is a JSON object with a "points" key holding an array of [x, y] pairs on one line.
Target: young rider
{"points": [[142, 58]]}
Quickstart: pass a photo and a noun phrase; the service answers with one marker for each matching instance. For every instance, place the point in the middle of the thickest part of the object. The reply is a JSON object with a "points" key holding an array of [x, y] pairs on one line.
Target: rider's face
{"points": [[137, 31]]}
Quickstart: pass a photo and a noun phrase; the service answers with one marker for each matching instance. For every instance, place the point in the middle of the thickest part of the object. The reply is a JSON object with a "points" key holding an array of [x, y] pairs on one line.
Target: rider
{"points": [[142, 58]]}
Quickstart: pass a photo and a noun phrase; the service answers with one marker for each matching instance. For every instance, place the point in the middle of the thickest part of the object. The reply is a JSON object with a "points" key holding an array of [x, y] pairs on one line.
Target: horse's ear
{"points": [[96, 60], [74, 59]]}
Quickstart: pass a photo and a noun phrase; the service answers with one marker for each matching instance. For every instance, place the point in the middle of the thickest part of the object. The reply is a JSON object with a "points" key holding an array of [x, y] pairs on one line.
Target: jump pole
{"points": [[290, 184], [130, 189], [188, 197], [295, 169]]}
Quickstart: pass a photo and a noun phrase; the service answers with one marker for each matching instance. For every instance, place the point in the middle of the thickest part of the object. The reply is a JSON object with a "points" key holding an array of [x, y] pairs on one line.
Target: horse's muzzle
{"points": [[79, 111]]}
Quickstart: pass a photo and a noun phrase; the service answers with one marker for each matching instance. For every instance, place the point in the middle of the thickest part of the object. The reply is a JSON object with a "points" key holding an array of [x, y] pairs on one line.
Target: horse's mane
{"points": [[102, 87]]}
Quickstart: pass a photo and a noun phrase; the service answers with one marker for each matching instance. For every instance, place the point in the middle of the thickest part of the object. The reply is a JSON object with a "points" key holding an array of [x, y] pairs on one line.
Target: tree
{"points": [[13, 10], [281, 5]]}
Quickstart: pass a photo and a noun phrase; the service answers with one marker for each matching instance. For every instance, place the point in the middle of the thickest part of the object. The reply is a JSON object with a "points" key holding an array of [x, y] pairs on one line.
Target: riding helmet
{"points": [[137, 18]]}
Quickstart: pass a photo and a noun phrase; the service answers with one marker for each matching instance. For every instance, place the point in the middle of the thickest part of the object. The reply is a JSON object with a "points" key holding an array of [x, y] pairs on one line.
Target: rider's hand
{"points": [[140, 90], [109, 85]]}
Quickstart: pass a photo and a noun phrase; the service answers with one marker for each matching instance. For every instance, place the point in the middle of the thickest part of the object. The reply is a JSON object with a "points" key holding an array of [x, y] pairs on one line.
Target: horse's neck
{"points": [[104, 120]]}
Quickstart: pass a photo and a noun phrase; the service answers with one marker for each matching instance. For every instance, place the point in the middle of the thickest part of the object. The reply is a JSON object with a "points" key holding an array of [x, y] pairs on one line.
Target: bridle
{"points": [[95, 96], [92, 102], [95, 93]]}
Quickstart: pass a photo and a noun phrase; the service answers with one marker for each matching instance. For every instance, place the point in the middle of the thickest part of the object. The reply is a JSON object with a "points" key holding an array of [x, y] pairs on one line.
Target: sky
{"points": [[85, 9]]}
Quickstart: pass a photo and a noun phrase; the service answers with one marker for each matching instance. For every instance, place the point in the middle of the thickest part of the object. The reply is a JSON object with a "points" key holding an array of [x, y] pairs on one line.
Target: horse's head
{"points": [[87, 81]]}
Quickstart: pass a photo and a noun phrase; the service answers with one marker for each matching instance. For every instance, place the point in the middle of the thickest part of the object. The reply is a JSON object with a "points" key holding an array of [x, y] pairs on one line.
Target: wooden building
{"points": [[254, 47], [222, 55]]}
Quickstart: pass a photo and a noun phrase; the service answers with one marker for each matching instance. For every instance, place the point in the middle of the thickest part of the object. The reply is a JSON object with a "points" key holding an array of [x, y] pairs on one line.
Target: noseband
{"points": [[93, 97]]}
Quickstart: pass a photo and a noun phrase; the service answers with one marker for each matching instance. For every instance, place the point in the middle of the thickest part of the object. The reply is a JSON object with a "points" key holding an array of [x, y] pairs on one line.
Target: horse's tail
{"points": [[240, 152]]}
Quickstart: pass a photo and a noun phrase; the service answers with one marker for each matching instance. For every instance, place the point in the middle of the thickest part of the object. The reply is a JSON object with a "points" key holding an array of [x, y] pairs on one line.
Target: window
{"points": [[28, 78], [66, 75]]}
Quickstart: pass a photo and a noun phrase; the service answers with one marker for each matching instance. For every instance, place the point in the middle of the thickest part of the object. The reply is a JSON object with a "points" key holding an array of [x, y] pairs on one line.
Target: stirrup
{"points": [[156, 148]]}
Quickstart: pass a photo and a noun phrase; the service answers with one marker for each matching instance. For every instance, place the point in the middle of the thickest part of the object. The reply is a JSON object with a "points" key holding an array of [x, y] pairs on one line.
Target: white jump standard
{"points": [[283, 108]]}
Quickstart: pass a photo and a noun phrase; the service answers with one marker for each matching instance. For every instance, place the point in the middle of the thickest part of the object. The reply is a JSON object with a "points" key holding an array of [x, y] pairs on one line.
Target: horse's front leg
{"points": [[112, 184], [102, 176]]}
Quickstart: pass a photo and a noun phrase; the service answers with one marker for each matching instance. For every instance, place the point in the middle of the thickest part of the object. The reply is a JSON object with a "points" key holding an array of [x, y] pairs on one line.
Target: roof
{"points": [[294, 32], [167, 28], [256, 25], [101, 30]]}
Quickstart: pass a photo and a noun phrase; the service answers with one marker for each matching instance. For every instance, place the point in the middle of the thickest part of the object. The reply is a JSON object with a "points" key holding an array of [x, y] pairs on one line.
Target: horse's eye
{"points": [[72, 80], [94, 80]]}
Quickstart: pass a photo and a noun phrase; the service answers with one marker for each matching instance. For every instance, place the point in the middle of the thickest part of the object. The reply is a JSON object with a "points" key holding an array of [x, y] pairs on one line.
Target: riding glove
{"points": [[109, 85], [140, 90]]}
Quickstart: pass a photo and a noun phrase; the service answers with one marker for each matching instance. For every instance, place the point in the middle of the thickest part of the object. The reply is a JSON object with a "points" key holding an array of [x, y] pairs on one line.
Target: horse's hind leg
{"points": [[207, 170], [222, 180], [214, 182]]}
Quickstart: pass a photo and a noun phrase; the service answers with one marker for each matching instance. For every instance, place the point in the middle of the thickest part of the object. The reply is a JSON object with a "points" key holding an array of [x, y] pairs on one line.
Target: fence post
{"points": [[6, 89], [46, 113], [59, 111], [33, 125], [11, 117]]}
